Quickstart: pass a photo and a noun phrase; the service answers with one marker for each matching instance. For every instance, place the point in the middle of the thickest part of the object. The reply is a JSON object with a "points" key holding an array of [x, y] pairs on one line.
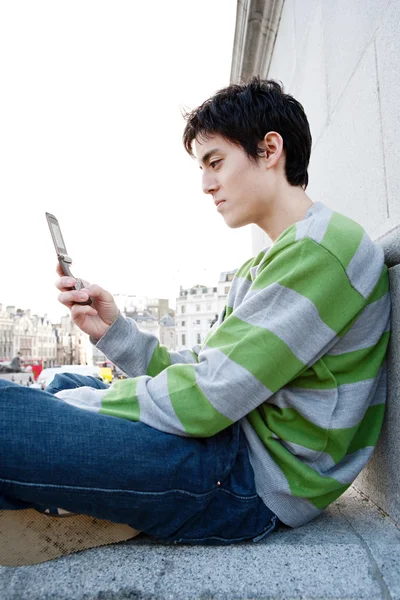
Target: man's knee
{"points": [[67, 381]]}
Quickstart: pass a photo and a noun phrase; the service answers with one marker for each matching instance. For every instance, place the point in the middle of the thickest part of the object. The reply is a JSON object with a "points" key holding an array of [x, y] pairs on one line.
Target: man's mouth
{"points": [[219, 202]]}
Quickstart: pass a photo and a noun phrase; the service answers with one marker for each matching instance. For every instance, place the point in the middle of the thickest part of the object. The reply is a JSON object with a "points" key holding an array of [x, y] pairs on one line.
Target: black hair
{"points": [[244, 113]]}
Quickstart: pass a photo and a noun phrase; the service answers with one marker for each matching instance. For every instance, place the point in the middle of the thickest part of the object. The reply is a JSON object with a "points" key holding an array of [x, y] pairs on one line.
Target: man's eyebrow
{"points": [[208, 155]]}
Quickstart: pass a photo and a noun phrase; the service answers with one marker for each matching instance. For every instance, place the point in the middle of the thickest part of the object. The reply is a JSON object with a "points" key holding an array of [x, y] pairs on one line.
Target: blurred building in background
{"points": [[168, 332], [152, 315], [38, 341], [197, 308]]}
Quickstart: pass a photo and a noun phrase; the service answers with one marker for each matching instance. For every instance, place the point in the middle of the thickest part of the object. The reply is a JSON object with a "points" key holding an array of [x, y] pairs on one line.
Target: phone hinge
{"points": [[66, 259]]}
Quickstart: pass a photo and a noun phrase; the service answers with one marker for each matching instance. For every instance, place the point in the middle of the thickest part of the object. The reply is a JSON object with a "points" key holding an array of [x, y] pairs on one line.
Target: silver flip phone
{"points": [[62, 254]]}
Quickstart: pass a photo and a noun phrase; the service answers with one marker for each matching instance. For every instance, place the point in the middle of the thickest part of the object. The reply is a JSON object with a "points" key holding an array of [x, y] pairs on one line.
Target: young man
{"points": [[274, 416]]}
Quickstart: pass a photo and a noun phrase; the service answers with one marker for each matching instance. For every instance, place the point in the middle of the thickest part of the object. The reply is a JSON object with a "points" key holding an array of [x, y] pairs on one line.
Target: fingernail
{"points": [[70, 281], [83, 296]]}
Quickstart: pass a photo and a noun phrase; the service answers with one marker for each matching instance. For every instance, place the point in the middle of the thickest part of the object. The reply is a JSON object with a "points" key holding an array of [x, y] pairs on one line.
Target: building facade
{"points": [[129, 303], [71, 343], [6, 334], [168, 332], [38, 341], [44, 341], [145, 321], [196, 310]]}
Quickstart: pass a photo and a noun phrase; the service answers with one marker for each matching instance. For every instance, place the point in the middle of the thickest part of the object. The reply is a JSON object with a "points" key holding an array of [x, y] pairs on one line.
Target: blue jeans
{"points": [[175, 488]]}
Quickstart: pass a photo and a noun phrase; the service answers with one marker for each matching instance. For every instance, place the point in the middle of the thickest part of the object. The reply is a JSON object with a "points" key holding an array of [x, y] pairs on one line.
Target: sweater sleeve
{"points": [[140, 353], [298, 303]]}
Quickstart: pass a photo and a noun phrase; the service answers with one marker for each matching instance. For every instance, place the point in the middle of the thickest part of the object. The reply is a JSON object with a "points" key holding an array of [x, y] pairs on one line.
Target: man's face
{"points": [[238, 186]]}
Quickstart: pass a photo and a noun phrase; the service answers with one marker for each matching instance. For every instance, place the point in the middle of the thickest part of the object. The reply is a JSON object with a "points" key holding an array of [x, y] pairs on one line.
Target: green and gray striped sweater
{"points": [[298, 356]]}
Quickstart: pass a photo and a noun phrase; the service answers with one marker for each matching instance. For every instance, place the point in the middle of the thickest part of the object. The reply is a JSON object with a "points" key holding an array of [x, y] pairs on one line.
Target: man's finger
{"points": [[68, 283], [79, 311], [95, 291], [65, 283], [70, 297]]}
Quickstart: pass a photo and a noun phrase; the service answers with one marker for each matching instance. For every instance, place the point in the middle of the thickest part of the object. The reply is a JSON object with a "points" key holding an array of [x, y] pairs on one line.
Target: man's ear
{"points": [[271, 148]]}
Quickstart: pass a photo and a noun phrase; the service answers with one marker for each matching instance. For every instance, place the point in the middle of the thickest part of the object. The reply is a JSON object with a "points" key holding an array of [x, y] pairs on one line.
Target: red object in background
{"points": [[36, 370]]}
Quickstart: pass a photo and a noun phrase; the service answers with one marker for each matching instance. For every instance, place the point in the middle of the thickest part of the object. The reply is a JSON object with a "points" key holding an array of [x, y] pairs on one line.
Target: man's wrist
{"points": [[96, 340]]}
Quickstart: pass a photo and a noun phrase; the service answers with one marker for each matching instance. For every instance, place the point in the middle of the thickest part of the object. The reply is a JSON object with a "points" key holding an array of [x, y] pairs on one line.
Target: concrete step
{"points": [[380, 480], [351, 551]]}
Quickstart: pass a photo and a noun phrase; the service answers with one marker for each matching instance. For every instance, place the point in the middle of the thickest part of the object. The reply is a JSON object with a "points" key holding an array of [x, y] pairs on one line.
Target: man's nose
{"points": [[209, 183]]}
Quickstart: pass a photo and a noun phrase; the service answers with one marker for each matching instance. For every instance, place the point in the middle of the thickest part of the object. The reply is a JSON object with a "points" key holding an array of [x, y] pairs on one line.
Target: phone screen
{"points": [[56, 234]]}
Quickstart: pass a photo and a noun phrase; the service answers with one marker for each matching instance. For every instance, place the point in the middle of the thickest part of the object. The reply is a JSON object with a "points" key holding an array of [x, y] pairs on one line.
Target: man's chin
{"points": [[236, 223]]}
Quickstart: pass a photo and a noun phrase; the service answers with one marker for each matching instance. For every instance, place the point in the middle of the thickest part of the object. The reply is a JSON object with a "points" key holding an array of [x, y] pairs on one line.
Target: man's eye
{"points": [[214, 163]]}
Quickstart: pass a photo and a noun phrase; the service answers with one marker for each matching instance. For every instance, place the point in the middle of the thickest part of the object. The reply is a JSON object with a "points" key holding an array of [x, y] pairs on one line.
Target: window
{"points": [[183, 309], [209, 307], [198, 307], [183, 339], [183, 323], [227, 290], [198, 338], [230, 277], [198, 322]]}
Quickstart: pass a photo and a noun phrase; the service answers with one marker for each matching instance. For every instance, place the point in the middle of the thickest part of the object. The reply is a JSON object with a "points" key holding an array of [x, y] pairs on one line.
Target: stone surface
{"points": [[347, 168], [303, 17], [380, 480], [283, 62], [309, 82], [352, 551], [348, 29], [388, 52], [340, 59]]}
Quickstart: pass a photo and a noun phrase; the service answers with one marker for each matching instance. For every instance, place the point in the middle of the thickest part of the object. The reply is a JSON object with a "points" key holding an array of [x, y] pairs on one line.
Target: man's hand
{"points": [[93, 319]]}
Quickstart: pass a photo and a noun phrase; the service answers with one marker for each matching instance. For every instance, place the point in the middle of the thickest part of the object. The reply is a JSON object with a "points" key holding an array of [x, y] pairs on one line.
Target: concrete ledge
{"points": [[352, 551], [380, 480], [390, 242]]}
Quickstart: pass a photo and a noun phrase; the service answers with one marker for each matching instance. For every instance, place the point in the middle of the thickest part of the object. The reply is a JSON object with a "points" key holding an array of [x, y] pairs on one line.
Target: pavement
{"points": [[351, 551]]}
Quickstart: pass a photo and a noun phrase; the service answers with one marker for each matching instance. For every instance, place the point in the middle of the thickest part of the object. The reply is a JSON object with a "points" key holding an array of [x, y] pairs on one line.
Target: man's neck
{"points": [[286, 209]]}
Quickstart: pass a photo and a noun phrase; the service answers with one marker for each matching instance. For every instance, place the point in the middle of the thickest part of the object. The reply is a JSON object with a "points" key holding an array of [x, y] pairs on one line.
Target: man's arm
{"points": [[293, 313], [133, 351], [137, 352]]}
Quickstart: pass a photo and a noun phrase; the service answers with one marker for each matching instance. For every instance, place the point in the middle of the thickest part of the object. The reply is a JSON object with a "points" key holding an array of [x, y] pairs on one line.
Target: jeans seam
{"points": [[123, 491], [103, 490], [268, 529], [75, 488]]}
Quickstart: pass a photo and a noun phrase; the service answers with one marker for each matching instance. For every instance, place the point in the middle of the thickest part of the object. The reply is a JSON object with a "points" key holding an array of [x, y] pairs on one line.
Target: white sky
{"points": [[90, 130]]}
